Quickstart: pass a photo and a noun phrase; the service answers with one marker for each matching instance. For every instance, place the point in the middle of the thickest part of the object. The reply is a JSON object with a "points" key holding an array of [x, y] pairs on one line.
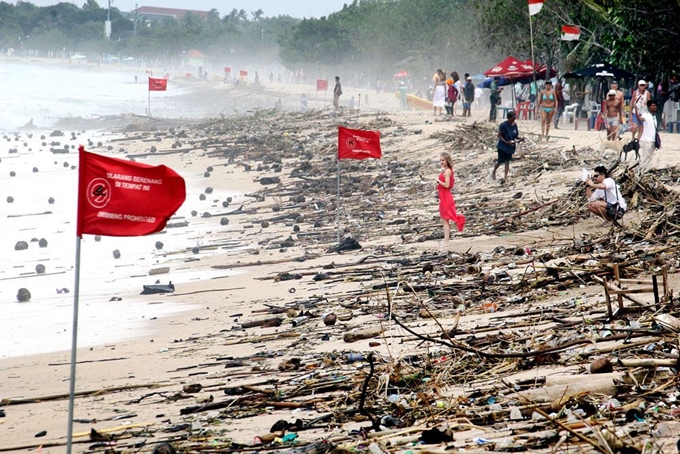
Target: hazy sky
{"points": [[295, 8]]}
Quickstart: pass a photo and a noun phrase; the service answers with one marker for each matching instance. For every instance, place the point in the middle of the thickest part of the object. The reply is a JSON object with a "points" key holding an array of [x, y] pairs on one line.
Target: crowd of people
{"points": [[446, 92]]}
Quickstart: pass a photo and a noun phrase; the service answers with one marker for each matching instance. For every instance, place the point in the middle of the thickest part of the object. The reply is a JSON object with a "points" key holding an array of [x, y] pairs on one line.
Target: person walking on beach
{"points": [[468, 96], [508, 137], [451, 96], [638, 104], [494, 98], [561, 103], [447, 206], [546, 106], [649, 137], [606, 202], [438, 91], [337, 92], [613, 110]]}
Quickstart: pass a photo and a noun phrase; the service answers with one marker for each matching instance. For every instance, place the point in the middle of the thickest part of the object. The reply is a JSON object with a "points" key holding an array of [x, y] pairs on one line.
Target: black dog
{"points": [[633, 145]]}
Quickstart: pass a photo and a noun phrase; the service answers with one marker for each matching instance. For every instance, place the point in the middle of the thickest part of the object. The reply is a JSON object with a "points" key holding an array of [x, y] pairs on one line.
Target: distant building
{"points": [[153, 13]]}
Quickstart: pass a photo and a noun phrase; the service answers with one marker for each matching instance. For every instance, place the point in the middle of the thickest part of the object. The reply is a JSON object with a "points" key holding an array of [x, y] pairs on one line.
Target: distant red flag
{"points": [[243, 73], [158, 84], [321, 84], [125, 198], [570, 32], [358, 144], [227, 70]]}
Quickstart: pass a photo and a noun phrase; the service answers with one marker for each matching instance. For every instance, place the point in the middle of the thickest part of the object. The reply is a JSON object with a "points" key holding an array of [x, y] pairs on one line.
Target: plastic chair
{"points": [[569, 112], [595, 110], [523, 110]]}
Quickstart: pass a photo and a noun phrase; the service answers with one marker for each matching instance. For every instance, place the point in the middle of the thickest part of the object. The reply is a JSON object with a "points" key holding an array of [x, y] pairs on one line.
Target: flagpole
{"points": [[150, 102], [533, 60], [338, 210], [74, 348]]}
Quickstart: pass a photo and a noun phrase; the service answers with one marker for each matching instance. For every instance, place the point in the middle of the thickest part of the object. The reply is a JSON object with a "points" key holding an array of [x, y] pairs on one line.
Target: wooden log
{"points": [[264, 323], [360, 334], [648, 362]]}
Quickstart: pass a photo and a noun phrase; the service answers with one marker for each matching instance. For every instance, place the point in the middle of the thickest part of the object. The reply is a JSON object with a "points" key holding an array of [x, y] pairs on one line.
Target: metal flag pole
{"points": [[74, 348], [149, 90], [338, 209], [358, 108], [533, 61]]}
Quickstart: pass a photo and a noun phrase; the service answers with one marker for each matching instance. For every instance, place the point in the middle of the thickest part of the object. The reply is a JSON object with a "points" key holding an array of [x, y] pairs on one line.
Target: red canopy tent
{"points": [[511, 68], [400, 74]]}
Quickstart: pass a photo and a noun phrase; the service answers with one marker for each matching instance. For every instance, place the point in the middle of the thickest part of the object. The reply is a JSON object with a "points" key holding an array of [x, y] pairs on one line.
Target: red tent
{"points": [[510, 68], [401, 73]]}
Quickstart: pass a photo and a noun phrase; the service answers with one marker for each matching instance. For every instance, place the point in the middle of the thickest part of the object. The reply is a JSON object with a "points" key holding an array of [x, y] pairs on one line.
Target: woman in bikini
{"points": [[547, 101]]}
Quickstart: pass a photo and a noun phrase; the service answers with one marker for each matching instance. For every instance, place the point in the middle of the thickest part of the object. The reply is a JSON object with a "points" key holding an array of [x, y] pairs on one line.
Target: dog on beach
{"points": [[632, 145], [621, 147]]}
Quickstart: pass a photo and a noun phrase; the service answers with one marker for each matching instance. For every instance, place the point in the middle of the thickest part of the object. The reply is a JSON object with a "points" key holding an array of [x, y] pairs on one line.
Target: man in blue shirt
{"points": [[508, 137]]}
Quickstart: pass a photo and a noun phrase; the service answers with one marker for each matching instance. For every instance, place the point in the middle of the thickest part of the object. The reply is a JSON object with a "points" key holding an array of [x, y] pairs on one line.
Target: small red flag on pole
{"points": [[158, 84], [321, 84], [243, 73], [227, 70], [358, 144], [125, 198]]}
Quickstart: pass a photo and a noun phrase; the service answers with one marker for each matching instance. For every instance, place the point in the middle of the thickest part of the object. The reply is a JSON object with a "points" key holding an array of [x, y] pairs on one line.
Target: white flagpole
{"points": [[74, 348], [338, 209], [149, 90], [533, 60]]}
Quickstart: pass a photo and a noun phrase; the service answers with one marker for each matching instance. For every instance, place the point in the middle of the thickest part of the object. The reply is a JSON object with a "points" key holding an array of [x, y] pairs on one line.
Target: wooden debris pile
{"points": [[509, 350]]}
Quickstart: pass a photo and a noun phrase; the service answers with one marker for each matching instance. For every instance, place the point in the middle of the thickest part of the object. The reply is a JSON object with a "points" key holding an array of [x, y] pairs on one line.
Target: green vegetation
{"points": [[372, 37]]}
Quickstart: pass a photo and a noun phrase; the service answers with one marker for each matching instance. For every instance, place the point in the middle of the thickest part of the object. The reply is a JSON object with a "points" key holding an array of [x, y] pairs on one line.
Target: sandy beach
{"points": [[265, 255]]}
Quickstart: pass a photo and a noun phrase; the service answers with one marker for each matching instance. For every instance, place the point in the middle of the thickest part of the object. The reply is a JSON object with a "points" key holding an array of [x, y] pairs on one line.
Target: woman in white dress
{"points": [[439, 93]]}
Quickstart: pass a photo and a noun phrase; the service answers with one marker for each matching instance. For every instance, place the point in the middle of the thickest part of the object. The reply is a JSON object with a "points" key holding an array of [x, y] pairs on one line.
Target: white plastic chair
{"points": [[569, 112]]}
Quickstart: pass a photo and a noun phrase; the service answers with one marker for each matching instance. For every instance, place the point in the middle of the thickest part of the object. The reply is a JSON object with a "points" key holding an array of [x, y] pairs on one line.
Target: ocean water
{"points": [[44, 324]]}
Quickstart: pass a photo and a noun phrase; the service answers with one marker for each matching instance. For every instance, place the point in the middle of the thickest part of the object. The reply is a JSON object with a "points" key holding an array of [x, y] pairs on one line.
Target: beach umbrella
{"points": [[401, 74], [501, 83], [601, 68], [510, 68]]}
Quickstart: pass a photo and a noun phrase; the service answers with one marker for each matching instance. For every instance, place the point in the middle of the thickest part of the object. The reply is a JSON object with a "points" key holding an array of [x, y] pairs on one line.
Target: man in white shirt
{"points": [[606, 201], [648, 131]]}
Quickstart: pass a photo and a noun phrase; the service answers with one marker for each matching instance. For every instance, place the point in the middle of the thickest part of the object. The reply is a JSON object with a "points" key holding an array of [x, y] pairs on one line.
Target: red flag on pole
{"points": [[535, 6], [358, 144], [158, 84], [125, 198], [570, 32], [321, 84], [243, 73], [227, 69]]}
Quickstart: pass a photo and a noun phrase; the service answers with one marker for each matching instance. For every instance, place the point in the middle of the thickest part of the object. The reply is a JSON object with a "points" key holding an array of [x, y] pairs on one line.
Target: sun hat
{"points": [[611, 92], [642, 82]]}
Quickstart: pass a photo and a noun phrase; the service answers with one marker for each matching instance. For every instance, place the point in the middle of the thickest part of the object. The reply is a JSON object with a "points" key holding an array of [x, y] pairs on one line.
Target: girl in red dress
{"points": [[447, 206]]}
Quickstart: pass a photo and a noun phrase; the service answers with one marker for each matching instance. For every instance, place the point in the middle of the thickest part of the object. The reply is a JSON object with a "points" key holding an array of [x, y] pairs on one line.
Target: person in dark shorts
{"points": [[508, 138]]}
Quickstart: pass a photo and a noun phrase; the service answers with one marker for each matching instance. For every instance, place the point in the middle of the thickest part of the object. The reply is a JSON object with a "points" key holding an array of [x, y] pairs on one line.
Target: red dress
{"points": [[447, 206]]}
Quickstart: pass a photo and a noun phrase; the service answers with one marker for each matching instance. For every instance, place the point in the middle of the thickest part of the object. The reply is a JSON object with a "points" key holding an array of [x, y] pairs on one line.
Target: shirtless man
{"points": [[619, 95], [613, 107]]}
